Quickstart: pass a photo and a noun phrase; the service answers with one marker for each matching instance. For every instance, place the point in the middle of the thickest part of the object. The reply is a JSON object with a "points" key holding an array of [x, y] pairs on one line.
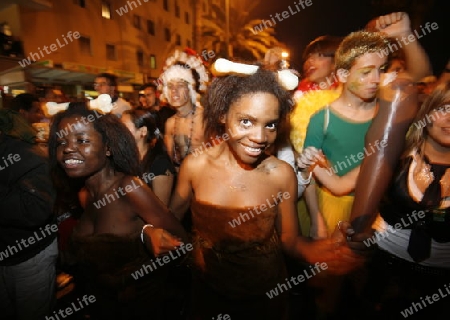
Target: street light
{"points": [[284, 62]]}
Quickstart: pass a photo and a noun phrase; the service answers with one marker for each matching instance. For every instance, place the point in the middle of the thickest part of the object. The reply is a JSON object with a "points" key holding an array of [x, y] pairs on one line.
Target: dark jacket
{"points": [[27, 224]]}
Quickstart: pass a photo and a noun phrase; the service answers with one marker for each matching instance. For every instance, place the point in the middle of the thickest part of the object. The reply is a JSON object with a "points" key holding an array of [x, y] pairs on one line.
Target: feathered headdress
{"points": [[179, 67]]}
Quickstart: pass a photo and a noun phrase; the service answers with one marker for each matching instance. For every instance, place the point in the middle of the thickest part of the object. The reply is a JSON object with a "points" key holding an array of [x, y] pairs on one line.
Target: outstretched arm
{"points": [[398, 107], [397, 26], [182, 195], [166, 232], [339, 186], [312, 159], [332, 253]]}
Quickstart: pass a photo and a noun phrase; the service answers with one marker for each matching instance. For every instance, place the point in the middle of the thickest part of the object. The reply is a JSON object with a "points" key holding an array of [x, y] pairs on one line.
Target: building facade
{"points": [[67, 42]]}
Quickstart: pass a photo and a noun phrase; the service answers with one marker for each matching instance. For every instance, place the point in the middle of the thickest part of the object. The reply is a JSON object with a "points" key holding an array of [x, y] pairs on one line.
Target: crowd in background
{"points": [[101, 199]]}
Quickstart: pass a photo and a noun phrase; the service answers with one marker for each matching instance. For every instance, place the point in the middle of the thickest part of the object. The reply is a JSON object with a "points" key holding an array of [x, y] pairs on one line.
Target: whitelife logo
{"points": [[124, 9], [36, 56], [392, 47], [10, 160], [282, 16], [263, 207]]}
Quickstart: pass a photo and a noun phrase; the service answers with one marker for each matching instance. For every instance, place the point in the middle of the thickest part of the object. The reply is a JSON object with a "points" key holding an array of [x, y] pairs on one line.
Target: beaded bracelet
{"points": [[142, 232]]}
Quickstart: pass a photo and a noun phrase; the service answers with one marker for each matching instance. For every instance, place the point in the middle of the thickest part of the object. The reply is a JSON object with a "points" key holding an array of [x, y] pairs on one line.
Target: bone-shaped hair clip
{"points": [[53, 107], [101, 103], [223, 67]]}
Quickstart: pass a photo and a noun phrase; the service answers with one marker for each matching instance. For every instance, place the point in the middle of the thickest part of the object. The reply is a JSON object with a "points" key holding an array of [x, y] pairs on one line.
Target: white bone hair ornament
{"points": [[102, 103], [223, 67]]}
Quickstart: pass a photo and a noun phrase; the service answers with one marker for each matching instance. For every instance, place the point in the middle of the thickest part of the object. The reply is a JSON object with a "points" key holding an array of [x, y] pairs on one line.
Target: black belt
{"points": [[401, 264]]}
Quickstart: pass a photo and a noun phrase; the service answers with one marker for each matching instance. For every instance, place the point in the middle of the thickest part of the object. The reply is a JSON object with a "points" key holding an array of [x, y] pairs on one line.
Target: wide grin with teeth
{"points": [[73, 161], [253, 151]]}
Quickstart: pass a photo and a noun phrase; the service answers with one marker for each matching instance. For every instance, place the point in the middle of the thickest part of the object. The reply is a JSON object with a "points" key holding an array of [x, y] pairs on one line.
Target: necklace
{"points": [[180, 154]]}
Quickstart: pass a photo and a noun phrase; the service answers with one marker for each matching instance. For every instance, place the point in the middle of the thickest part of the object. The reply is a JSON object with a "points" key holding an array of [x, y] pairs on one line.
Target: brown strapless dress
{"points": [[106, 264], [234, 267]]}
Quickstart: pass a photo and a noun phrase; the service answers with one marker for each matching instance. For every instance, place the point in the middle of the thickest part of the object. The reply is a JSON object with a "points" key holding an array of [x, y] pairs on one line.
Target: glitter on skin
{"points": [[350, 49]]}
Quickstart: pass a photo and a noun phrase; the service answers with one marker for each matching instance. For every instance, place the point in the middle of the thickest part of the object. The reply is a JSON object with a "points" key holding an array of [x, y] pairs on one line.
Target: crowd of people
{"points": [[227, 189]]}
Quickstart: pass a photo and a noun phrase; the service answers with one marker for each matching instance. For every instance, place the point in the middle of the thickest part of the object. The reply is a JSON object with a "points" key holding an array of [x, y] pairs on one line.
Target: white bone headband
{"points": [[223, 66], [101, 103]]}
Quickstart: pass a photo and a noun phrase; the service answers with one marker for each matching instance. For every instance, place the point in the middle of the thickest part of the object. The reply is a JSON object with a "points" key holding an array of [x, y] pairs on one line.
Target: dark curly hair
{"points": [[124, 154], [226, 90]]}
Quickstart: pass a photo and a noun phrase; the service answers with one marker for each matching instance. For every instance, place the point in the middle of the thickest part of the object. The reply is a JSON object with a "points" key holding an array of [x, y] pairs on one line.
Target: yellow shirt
{"points": [[308, 104]]}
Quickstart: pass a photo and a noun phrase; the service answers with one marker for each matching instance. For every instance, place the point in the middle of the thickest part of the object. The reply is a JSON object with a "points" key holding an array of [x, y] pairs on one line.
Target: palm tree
{"points": [[248, 39]]}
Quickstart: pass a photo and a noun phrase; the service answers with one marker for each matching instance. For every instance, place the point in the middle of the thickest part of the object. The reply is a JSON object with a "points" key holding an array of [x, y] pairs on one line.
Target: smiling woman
{"points": [[225, 183], [102, 155]]}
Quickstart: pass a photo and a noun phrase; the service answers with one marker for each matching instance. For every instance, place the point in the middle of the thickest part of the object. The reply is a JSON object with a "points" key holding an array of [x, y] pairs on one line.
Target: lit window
{"points": [[106, 10], [152, 61]]}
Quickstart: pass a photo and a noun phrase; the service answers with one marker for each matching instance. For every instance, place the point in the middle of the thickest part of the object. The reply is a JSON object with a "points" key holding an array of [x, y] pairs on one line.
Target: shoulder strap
{"points": [[326, 119]]}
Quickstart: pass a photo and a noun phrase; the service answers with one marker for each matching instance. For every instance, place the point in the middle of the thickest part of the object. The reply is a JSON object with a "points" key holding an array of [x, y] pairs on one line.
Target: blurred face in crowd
{"points": [[102, 86], [178, 93], [364, 76], [150, 96], [439, 128], [128, 122], [397, 65], [142, 100], [33, 115], [318, 67]]}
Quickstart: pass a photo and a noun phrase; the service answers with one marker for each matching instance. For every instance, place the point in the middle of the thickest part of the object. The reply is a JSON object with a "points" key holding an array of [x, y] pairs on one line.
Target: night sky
{"points": [[340, 17]]}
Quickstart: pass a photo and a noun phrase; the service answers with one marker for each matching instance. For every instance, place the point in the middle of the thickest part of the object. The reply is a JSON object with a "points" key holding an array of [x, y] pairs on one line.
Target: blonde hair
{"points": [[417, 131], [357, 44]]}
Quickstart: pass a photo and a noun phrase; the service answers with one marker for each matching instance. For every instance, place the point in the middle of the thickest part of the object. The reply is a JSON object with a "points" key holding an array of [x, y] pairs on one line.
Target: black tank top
{"points": [[398, 205]]}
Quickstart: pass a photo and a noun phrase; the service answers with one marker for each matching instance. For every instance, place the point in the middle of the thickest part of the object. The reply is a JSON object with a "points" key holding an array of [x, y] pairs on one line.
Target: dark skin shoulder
{"points": [[123, 206]]}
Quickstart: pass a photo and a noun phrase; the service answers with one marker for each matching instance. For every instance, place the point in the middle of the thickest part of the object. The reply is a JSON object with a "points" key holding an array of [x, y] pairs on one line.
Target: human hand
{"points": [[355, 241], [337, 256], [350, 248], [309, 158], [160, 241], [393, 24]]}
